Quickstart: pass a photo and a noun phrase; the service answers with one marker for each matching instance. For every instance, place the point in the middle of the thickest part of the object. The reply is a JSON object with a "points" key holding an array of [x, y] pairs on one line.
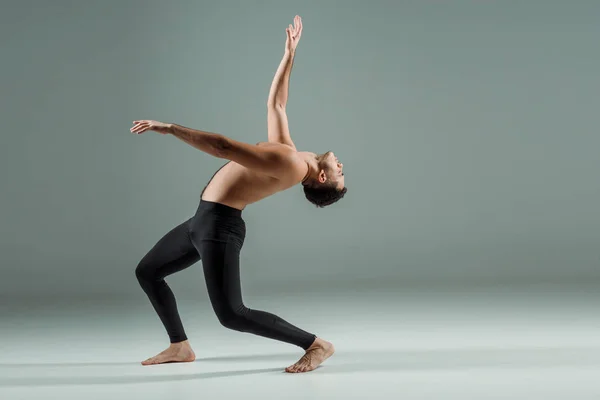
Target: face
{"points": [[333, 169]]}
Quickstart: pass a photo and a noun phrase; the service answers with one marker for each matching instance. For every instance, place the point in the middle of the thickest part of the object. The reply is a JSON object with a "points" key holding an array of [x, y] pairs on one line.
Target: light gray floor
{"points": [[473, 343]]}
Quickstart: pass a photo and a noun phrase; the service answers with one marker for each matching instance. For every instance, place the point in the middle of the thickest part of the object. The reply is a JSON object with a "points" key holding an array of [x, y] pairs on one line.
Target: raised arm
{"points": [[277, 121]]}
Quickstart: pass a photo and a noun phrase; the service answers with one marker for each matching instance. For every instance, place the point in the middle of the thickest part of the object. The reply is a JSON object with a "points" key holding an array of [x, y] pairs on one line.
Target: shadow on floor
{"points": [[32, 381], [343, 362]]}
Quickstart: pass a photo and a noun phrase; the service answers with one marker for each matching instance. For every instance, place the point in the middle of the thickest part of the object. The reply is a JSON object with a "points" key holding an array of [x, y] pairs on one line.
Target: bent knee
{"points": [[144, 272], [232, 319], [233, 323]]}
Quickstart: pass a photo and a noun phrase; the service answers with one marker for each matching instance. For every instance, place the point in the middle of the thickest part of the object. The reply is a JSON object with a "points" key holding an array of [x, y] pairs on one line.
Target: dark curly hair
{"points": [[324, 195]]}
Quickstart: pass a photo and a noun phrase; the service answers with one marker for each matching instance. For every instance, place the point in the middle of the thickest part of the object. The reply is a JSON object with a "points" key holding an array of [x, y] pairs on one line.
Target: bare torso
{"points": [[237, 186]]}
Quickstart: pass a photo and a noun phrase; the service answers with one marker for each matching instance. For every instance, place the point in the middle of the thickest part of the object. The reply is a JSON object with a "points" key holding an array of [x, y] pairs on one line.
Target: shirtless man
{"points": [[215, 234]]}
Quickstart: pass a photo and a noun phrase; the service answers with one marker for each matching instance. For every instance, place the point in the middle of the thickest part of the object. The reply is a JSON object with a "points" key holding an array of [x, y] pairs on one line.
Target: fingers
{"points": [[293, 31], [139, 127], [297, 26]]}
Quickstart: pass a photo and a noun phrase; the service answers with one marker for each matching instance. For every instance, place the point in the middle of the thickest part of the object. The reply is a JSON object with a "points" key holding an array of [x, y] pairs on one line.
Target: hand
{"points": [[149, 125], [293, 34]]}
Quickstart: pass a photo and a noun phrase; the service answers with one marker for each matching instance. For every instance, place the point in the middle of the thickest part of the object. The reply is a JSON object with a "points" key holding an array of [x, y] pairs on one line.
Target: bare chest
{"points": [[238, 186]]}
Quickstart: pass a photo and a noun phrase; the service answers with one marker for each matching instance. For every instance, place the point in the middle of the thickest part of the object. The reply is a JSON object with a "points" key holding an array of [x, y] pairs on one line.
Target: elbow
{"points": [[276, 105], [221, 146]]}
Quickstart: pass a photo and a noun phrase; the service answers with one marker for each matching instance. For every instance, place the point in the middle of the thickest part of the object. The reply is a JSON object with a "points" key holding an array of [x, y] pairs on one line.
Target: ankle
{"points": [[318, 343]]}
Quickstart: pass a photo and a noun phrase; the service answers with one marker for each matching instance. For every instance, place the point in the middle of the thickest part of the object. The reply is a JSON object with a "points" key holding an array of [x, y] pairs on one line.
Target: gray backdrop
{"points": [[468, 131]]}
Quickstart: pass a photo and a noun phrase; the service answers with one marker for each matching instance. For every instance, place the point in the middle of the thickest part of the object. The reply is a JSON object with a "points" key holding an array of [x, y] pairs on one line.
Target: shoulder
{"points": [[275, 145], [290, 164], [276, 149]]}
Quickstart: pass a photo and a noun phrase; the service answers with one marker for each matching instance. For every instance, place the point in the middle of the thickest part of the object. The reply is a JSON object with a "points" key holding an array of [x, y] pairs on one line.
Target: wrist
{"points": [[170, 129]]}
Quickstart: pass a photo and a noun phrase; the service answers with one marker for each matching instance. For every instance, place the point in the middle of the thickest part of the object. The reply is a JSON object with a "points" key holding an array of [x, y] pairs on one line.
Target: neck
{"points": [[313, 165]]}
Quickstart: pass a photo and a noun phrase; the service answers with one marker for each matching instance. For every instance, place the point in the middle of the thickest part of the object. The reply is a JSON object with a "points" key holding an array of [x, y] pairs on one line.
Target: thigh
{"points": [[173, 252], [221, 265]]}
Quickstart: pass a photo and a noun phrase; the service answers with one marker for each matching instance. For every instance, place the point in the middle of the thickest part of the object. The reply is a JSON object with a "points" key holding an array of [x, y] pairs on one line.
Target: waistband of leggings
{"points": [[218, 208]]}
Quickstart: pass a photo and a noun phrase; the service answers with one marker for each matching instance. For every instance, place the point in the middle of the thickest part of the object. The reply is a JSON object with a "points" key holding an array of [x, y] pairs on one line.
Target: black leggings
{"points": [[214, 235]]}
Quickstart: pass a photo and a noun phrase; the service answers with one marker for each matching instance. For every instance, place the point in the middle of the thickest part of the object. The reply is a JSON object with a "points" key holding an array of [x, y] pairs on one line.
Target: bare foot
{"points": [[318, 352], [177, 352]]}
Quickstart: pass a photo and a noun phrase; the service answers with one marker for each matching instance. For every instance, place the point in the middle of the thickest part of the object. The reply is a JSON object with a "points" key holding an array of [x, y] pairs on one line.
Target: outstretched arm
{"points": [[277, 121], [275, 161]]}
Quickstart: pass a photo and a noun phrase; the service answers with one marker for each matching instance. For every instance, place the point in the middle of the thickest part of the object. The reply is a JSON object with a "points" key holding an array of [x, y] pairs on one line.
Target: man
{"points": [[216, 233]]}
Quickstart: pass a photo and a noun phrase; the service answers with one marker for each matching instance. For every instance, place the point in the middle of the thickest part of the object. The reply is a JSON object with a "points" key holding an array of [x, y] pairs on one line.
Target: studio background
{"points": [[468, 133]]}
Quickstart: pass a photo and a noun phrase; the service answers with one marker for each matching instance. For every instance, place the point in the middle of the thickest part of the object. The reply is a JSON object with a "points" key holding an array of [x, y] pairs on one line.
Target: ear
{"points": [[322, 177]]}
